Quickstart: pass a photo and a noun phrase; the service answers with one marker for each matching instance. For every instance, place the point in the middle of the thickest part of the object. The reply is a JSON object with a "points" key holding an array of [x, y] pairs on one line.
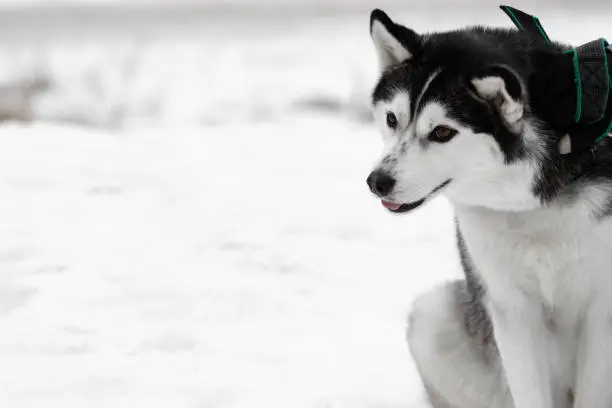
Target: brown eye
{"points": [[391, 120], [442, 134]]}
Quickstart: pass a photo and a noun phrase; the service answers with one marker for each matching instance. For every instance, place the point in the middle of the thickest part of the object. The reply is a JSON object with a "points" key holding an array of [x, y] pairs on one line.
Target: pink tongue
{"points": [[390, 205]]}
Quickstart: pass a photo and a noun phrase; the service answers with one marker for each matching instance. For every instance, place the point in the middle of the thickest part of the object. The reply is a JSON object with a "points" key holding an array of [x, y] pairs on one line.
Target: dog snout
{"points": [[380, 183]]}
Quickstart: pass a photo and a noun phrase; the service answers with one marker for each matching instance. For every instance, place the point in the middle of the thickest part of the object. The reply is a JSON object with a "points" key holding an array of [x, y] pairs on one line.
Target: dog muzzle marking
{"points": [[592, 71]]}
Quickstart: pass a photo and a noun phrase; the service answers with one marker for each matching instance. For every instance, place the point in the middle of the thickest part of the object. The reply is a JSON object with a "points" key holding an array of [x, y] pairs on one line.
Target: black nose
{"points": [[380, 183]]}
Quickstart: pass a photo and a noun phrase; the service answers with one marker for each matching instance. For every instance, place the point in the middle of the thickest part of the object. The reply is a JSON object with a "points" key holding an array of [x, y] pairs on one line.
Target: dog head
{"points": [[455, 119]]}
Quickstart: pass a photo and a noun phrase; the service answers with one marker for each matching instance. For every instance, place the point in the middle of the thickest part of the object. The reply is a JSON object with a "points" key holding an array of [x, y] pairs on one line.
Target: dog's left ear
{"points": [[394, 43], [501, 87]]}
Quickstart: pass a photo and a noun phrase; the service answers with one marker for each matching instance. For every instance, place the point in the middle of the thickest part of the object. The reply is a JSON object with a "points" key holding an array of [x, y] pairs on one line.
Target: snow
{"points": [[186, 222], [207, 268]]}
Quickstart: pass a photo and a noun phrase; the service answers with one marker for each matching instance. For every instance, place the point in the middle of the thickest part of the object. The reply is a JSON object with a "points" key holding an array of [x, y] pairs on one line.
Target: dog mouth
{"points": [[405, 207], [401, 208]]}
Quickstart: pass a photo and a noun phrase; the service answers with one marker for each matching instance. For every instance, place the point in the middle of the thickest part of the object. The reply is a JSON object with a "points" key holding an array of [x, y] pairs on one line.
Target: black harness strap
{"points": [[592, 73], [592, 67], [526, 22]]}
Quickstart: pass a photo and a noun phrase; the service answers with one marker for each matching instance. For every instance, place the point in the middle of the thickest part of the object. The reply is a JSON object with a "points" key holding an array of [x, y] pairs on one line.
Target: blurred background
{"points": [[184, 220]]}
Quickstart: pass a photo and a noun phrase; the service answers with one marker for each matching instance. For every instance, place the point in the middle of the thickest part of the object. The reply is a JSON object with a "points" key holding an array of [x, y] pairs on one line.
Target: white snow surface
{"points": [[210, 241], [207, 267]]}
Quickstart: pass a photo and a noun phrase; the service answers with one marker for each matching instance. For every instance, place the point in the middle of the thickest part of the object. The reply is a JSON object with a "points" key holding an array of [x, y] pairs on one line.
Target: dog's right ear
{"points": [[394, 43], [502, 88]]}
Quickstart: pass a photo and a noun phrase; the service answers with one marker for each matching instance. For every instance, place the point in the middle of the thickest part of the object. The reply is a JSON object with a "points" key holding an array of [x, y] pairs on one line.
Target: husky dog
{"points": [[472, 115]]}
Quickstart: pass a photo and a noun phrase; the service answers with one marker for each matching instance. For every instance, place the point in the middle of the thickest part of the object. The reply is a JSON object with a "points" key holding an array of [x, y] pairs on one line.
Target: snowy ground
{"points": [[198, 268], [207, 240]]}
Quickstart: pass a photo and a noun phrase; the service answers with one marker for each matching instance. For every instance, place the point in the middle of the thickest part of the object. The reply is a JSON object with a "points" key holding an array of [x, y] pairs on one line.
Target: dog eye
{"points": [[442, 134], [391, 120]]}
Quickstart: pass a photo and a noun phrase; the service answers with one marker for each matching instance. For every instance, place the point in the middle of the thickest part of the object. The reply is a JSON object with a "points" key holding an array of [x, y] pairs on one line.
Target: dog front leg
{"points": [[520, 333], [593, 389]]}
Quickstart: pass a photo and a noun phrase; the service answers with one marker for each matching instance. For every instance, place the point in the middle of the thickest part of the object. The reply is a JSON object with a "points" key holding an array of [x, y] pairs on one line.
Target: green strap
{"points": [[578, 83], [526, 22], [592, 80], [609, 129], [606, 133], [537, 23], [509, 11]]}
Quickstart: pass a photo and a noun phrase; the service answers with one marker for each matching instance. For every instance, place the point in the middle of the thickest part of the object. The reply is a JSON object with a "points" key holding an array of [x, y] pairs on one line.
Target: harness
{"points": [[592, 70]]}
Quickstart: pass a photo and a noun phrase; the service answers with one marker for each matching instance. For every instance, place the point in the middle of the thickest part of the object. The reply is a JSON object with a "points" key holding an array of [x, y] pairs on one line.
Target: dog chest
{"points": [[563, 263]]}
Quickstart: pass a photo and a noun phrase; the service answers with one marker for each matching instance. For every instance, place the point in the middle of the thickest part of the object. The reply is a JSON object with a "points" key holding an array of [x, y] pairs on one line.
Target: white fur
{"points": [[474, 162], [549, 263], [565, 145], [389, 50], [455, 371], [543, 266], [547, 274], [400, 106], [493, 87], [426, 86]]}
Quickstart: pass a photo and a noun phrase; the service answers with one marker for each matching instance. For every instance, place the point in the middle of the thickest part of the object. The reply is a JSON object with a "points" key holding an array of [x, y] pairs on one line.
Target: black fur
{"points": [[512, 82], [473, 312], [407, 37], [538, 73]]}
